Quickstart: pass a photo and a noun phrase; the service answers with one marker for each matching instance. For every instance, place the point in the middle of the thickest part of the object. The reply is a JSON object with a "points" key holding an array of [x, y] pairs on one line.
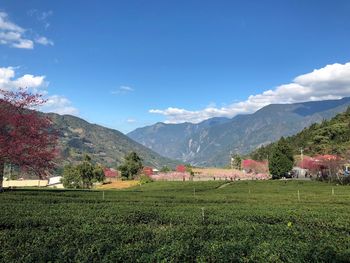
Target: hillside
{"points": [[173, 140], [209, 143], [106, 146], [328, 137]]}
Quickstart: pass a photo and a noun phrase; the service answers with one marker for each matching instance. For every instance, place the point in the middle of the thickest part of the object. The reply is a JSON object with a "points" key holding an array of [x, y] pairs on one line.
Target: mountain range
{"points": [[327, 137], [106, 146], [210, 142]]}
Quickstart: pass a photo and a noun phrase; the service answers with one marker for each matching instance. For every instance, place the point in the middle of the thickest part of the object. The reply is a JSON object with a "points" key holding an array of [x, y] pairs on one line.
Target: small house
{"points": [[55, 182], [110, 174], [300, 173], [147, 171]]}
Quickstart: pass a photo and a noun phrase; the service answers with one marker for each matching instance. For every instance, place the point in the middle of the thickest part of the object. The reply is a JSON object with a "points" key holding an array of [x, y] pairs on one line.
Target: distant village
{"points": [[306, 168]]}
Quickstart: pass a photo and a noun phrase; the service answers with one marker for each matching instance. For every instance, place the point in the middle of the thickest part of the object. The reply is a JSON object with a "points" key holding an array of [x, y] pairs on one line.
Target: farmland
{"points": [[246, 221]]}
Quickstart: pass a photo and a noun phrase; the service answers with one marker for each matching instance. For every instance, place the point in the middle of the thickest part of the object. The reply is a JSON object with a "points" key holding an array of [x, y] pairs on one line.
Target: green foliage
{"points": [[86, 172], [262, 153], [131, 167], [246, 221], [82, 175], [237, 161], [327, 137], [189, 169], [165, 169], [98, 174], [107, 146], [281, 159], [144, 179], [71, 177]]}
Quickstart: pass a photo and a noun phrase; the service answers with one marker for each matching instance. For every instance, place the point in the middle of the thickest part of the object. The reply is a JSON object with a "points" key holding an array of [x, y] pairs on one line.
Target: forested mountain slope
{"points": [[328, 137], [106, 146]]}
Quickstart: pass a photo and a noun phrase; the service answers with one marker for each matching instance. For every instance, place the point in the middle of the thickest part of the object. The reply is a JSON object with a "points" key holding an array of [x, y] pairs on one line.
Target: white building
{"points": [[55, 182]]}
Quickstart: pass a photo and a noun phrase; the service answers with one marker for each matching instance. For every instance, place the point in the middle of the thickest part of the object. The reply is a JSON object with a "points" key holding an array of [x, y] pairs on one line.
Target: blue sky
{"points": [[127, 64]]}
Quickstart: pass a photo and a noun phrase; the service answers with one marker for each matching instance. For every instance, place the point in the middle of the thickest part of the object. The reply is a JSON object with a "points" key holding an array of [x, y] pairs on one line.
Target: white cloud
{"points": [[28, 81], [36, 84], [44, 41], [123, 90], [130, 120], [126, 88], [7, 25], [329, 82], [16, 36], [59, 104], [24, 44]]}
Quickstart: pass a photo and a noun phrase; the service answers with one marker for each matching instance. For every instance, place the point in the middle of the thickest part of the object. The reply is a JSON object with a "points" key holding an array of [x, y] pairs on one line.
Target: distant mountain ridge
{"points": [[169, 139], [106, 146], [327, 137], [210, 142]]}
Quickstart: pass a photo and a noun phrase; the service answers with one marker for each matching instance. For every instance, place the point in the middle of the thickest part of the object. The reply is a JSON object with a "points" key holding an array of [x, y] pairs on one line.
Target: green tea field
{"points": [[255, 221]]}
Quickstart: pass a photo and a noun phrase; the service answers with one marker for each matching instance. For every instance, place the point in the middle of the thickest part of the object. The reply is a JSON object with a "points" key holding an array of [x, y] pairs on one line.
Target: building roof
{"points": [[110, 173]]}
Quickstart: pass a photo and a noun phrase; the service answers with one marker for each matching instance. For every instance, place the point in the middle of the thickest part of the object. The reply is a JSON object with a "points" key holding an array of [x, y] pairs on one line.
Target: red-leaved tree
{"points": [[311, 164], [255, 166], [27, 137], [332, 164], [328, 165], [181, 168]]}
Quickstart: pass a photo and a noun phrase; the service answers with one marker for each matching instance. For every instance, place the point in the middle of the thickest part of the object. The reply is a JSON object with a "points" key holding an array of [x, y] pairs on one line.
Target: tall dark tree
{"points": [[281, 159], [27, 138], [131, 167]]}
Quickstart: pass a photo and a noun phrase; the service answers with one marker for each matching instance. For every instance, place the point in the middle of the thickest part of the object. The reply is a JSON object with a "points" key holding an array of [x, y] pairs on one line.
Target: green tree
{"points": [[165, 169], [99, 175], [83, 175], [86, 171], [131, 167], [71, 177], [189, 170], [281, 160], [236, 162]]}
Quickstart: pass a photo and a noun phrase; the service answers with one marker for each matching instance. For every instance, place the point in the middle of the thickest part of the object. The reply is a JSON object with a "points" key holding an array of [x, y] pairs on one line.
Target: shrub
{"points": [[144, 179]]}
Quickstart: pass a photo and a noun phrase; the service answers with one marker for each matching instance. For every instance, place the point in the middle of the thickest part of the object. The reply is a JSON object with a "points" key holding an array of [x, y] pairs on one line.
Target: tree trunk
{"points": [[1, 175]]}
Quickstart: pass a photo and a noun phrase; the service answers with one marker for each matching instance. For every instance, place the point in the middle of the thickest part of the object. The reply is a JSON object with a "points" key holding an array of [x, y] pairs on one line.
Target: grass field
{"points": [[250, 221]]}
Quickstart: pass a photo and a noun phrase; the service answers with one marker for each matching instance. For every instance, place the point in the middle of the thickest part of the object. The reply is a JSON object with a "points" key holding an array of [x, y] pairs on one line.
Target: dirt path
{"points": [[223, 185], [119, 185]]}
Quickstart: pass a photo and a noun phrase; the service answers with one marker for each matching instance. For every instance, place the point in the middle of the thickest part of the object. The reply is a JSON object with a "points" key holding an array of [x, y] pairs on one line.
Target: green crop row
{"points": [[179, 222]]}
